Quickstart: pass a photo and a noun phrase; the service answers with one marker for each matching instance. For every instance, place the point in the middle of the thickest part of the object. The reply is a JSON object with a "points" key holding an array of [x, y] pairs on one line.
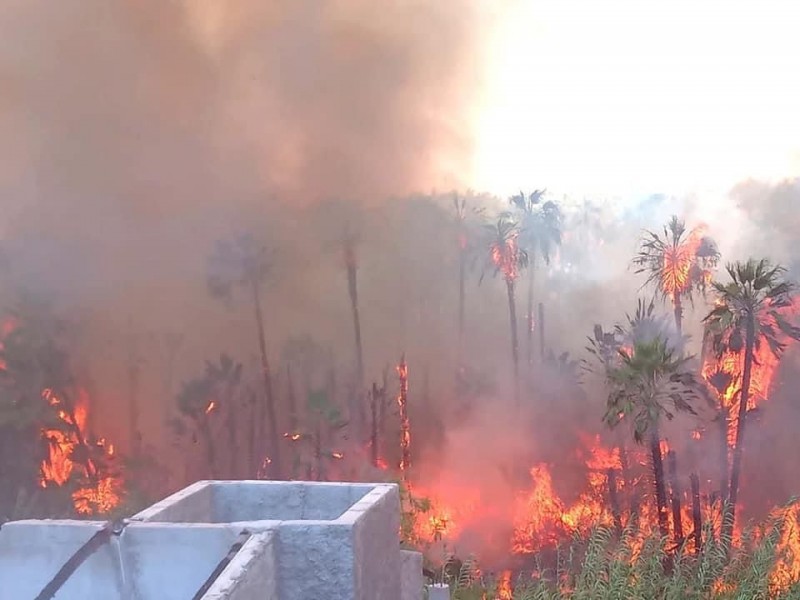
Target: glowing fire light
{"points": [[104, 493], [337, 455], [211, 406], [504, 591]]}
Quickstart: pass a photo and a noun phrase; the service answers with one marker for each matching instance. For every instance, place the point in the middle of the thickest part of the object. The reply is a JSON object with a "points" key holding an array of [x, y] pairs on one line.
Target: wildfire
{"points": [[786, 571], [688, 264], [505, 257], [504, 591], [99, 494], [211, 406]]}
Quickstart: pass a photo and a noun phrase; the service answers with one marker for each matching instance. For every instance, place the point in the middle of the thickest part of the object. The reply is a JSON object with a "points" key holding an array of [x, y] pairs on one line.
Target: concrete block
{"points": [[439, 591], [146, 562], [411, 580], [252, 574], [308, 541]]}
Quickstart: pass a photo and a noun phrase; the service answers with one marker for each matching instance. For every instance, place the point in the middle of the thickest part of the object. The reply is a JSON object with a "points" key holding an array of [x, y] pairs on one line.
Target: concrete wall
{"points": [[240, 502], [337, 541], [412, 585], [147, 561], [252, 574], [307, 541]]}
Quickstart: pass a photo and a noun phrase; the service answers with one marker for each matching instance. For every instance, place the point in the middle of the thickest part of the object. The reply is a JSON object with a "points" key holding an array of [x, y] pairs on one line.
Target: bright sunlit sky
{"points": [[639, 96]]}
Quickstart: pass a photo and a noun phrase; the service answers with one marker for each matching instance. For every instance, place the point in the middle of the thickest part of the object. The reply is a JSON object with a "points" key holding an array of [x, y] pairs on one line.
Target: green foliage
{"points": [[540, 223], [412, 508], [651, 382], [758, 294], [603, 566]]}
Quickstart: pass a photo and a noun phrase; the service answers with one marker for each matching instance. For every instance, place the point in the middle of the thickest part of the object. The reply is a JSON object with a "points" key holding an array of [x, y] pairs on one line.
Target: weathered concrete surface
{"points": [[248, 501], [307, 541], [336, 541], [146, 562], [411, 580], [439, 591], [252, 574]]}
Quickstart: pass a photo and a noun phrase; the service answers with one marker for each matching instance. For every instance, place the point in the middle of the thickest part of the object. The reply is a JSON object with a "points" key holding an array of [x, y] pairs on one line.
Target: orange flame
{"points": [[211, 406], [504, 591], [58, 467]]}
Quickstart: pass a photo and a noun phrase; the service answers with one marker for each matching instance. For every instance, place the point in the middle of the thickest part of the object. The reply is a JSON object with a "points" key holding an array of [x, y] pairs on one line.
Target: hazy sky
{"points": [[617, 96]]}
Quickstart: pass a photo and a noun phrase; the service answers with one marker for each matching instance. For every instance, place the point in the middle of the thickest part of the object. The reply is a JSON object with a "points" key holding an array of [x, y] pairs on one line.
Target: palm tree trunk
{"points": [[678, 306], [529, 315], [629, 483], [232, 445], [697, 517], [373, 438], [541, 331], [613, 497], [724, 470], [352, 288], [211, 457], [274, 444], [675, 497], [736, 467], [512, 314], [462, 274], [658, 481]]}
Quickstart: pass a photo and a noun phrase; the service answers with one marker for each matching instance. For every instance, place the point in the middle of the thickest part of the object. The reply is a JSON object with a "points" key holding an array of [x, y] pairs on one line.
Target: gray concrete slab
{"points": [[412, 585]]}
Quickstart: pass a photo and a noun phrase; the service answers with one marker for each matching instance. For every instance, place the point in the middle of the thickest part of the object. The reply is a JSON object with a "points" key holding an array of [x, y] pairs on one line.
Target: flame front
{"points": [[99, 494]]}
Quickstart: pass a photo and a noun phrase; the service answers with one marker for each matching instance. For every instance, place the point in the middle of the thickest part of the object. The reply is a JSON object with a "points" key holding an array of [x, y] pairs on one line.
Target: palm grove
{"points": [[294, 418]]}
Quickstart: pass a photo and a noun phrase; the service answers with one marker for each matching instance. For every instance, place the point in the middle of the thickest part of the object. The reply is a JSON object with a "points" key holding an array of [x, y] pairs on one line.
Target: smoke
{"points": [[135, 134]]}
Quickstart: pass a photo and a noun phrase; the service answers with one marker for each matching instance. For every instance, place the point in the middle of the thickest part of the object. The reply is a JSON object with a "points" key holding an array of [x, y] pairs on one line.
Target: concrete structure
{"points": [[254, 540]]}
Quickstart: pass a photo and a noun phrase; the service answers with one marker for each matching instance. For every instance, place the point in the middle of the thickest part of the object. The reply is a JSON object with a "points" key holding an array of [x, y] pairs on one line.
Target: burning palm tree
{"points": [[540, 233], [508, 258], [749, 311], [650, 384], [245, 263], [677, 263]]}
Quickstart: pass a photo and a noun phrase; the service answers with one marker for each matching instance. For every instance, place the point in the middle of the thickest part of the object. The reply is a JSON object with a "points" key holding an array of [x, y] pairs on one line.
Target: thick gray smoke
{"points": [[134, 134]]}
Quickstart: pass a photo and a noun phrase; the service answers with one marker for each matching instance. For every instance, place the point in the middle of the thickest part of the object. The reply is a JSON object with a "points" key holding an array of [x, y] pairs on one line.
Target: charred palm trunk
{"points": [[512, 314], [274, 443], [541, 331], [736, 466], [253, 460], [629, 484], [233, 453], [697, 517], [462, 275], [613, 497], [724, 467], [352, 288], [658, 482], [675, 497], [678, 308], [292, 419], [405, 427], [211, 454], [373, 438], [529, 316]]}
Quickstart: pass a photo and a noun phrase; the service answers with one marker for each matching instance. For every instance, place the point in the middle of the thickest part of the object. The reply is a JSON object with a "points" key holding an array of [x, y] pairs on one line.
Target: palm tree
{"points": [[245, 263], [749, 311], [650, 384], [540, 233], [677, 263], [508, 258]]}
